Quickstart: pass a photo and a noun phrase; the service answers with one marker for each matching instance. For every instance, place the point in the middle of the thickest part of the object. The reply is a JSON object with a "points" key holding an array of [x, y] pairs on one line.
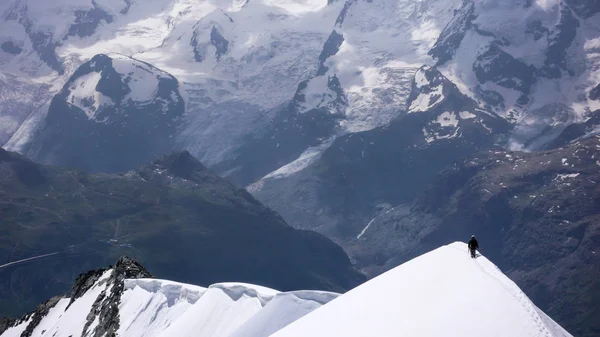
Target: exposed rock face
{"points": [[359, 174], [90, 122], [105, 308]]}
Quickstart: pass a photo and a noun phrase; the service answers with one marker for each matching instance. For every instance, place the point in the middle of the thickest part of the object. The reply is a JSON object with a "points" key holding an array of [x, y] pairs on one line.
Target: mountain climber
{"points": [[473, 246]]}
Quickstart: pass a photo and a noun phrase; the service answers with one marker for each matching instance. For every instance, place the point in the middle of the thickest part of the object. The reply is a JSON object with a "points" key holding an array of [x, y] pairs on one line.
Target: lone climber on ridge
{"points": [[473, 246]]}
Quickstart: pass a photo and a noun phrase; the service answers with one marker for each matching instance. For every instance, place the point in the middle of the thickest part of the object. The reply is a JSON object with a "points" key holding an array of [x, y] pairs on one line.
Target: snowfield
{"points": [[161, 308], [441, 293]]}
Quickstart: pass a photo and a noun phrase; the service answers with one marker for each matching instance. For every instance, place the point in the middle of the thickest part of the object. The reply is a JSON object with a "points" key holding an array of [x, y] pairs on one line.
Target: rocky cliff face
{"points": [[113, 114], [103, 317]]}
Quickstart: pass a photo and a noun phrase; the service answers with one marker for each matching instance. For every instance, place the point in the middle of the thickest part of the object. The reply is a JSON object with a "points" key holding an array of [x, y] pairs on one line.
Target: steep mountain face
{"points": [[431, 288], [534, 63], [362, 173], [114, 113], [19, 98], [123, 301], [312, 71], [180, 219], [535, 214]]}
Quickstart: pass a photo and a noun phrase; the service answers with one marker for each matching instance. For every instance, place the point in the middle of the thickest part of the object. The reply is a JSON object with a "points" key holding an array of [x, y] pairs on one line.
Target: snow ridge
{"points": [[441, 293]]}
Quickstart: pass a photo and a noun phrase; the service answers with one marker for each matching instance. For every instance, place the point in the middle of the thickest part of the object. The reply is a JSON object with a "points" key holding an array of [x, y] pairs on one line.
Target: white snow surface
{"points": [[153, 307], [510, 21], [83, 94], [273, 45], [64, 320], [441, 293]]}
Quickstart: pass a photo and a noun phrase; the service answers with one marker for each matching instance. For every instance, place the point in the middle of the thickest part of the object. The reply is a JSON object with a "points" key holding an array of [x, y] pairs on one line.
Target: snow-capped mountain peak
{"points": [[441, 293], [123, 301]]}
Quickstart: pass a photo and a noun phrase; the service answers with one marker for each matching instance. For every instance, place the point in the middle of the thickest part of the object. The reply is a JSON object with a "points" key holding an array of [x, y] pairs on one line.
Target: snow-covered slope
{"points": [[242, 63], [118, 112], [521, 57], [441, 293], [115, 302]]}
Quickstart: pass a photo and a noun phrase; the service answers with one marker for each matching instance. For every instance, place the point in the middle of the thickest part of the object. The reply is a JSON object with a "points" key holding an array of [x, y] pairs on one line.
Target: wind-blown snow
{"points": [[441, 293], [163, 308]]}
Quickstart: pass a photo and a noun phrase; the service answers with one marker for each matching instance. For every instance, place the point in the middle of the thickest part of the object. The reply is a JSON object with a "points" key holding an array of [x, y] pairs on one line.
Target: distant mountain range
{"points": [[339, 115]]}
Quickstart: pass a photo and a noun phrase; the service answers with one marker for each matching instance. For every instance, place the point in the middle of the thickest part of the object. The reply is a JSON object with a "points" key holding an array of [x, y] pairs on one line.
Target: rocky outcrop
{"points": [[451, 37], [106, 307], [114, 113], [330, 48]]}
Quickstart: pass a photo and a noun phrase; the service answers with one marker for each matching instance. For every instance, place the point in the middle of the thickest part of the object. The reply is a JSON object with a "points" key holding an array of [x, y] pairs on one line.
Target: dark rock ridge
{"points": [[330, 48], [564, 34], [344, 12], [449, 40], [198, 51], [209, 35], [497, 66], [87, 21], [105, 307], [162, 213], [90, 122], [219, 42], [595, 93]]}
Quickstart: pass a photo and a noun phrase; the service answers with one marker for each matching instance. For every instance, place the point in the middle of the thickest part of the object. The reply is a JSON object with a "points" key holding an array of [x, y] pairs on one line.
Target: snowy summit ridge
{"points": [[441, 293]]}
